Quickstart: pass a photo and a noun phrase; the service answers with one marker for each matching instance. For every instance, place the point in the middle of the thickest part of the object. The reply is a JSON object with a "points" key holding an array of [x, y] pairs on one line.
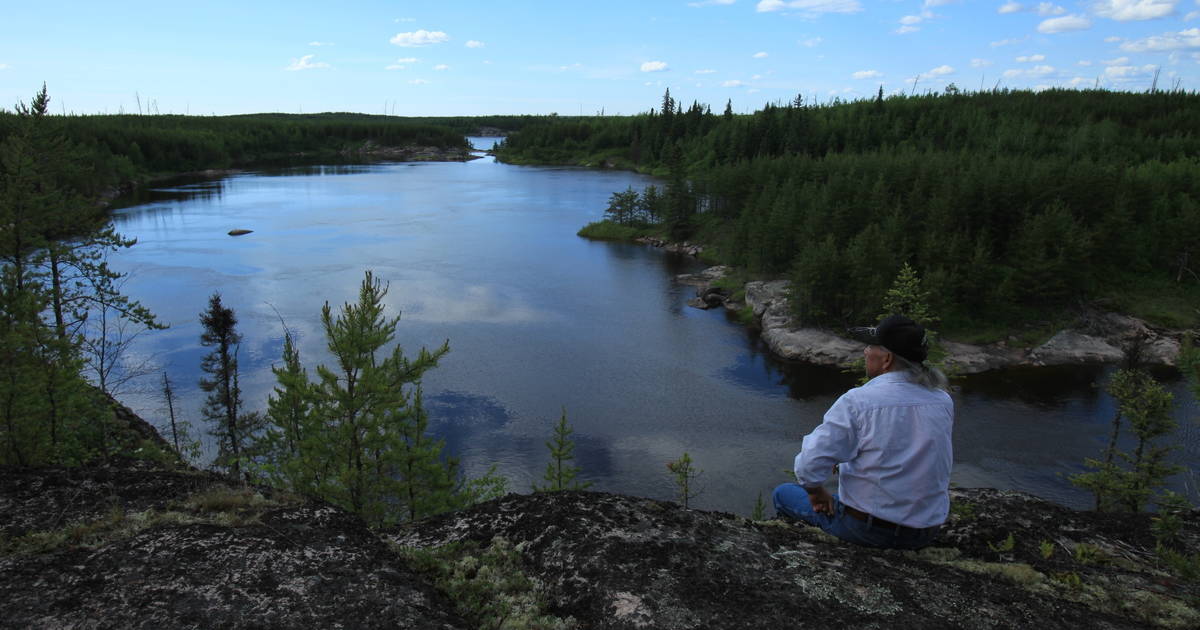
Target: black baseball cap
{"points": [[898, 334]]}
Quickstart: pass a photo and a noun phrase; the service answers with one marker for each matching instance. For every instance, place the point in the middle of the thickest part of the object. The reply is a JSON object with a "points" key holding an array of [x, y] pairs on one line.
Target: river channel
{"points": [[485, 255]]}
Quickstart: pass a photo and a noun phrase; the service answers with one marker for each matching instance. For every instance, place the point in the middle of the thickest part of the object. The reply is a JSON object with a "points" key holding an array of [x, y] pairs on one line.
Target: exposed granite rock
{"points": [[703, 279], [679, 248], [613, 561], [1070, 346], [131, 546], [412, 153], [1097, 337], [962, 358]]}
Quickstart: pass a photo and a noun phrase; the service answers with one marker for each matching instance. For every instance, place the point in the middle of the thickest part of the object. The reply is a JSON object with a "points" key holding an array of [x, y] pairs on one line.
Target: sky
{"points": [[469, 57]]}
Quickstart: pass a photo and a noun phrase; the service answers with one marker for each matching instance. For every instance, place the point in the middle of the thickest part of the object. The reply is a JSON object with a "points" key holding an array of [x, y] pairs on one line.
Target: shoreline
{"points": [[1097, 337]]}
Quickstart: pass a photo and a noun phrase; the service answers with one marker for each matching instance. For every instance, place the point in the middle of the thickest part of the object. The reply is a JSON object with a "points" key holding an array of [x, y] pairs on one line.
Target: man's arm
{"points": [[832, 442]]}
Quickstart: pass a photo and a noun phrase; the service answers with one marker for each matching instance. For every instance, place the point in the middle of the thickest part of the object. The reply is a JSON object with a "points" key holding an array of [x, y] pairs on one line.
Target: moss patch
{"points": [[487, 585]]}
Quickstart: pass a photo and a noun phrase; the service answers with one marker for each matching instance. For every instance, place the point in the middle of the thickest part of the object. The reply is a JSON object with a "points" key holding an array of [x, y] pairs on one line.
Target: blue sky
{"points": [[460, 57]]}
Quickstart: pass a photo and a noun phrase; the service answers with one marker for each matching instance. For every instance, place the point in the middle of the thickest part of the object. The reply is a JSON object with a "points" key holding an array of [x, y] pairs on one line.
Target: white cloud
{"points": [[441, 66], [938, 3], [419, 38], [1119, 61], [1078, 81], [1113, 39], [761, 55], [399, 20], [867, 74], [1134, 10], [1084, 62], [732, 83], [1007, 42], [418, 82], [654, 66], [1064, 24], [1122, 72], [705, 71], [3, 66], [1010, 7], [1049, 8], [574, 66], [911, 19], [980, 63], [940, 70], [1033, 73], [809, 7], [811, 42], [320, 43], [304, 63], [903, 30], [706, 3], [401, 63], [1029, 58], [1167, 41], [474, 43]]}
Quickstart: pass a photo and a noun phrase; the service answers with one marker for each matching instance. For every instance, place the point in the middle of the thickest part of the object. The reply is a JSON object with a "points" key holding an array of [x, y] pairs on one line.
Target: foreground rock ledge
{"points": [[603, 560]]}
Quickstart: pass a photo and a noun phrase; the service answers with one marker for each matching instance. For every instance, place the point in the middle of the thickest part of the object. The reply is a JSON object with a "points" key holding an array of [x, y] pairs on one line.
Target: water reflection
{"points": [[485, 255]]}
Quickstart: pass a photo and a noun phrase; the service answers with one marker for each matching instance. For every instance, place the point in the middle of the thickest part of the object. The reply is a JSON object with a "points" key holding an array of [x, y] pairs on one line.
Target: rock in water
{"points": [[239, 232]]}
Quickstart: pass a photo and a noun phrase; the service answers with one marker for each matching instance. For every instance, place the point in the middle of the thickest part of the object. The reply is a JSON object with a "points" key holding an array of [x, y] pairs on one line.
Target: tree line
{"points": [[113, 149], [1010, 204]]}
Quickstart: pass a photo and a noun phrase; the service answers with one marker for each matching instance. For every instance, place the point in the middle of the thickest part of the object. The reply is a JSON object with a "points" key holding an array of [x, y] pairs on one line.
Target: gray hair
{"points": [[921, 374]]}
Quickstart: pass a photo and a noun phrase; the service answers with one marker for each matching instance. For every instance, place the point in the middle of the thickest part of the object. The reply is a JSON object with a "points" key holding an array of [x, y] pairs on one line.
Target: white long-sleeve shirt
{"points": [[891, 440]]}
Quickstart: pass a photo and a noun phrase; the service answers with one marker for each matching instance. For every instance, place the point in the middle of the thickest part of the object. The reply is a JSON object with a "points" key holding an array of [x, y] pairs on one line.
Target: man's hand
{"points": [[821, 500]]}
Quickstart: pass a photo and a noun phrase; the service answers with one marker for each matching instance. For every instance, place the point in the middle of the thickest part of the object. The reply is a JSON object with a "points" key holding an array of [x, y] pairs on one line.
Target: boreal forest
{"points": [[1015, 207]]}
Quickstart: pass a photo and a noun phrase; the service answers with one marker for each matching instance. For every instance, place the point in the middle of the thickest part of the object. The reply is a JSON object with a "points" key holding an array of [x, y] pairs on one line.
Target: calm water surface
{"points": [[485, 255]]}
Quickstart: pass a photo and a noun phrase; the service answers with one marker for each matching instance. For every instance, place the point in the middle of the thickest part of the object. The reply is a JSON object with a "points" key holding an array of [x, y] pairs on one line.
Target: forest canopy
{"points": [[1010, 204]]}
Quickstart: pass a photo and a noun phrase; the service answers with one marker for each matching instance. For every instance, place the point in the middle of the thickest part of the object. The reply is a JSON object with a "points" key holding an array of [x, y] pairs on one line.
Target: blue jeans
{"points": [[791, 501]]}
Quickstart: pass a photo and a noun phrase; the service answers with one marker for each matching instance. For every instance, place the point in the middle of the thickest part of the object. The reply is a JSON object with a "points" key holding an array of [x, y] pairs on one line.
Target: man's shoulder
{"points": [[896, 390]]}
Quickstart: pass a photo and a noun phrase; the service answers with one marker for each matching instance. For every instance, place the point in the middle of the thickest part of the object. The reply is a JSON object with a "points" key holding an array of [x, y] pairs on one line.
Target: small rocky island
{"points": [[134, 544]]}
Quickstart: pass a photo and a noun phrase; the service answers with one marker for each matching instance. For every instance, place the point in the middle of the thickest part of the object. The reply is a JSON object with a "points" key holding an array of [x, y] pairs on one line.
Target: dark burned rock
{"points": [[134, 547], [129, 545], [620, 562]]}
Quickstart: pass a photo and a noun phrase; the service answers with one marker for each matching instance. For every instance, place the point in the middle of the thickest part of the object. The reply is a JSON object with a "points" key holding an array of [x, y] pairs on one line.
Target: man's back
{"points": [[900, 470]]}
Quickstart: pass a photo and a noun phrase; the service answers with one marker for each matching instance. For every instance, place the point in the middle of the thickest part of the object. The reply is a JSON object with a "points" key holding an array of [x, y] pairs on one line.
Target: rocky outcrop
{"points": [[614, 561], [412, 153], [130, 545], [1097, 337], [677, 248]]}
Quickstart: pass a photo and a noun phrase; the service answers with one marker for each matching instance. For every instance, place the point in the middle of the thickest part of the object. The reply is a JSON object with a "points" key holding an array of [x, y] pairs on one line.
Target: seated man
{"points": [[890, 442]]}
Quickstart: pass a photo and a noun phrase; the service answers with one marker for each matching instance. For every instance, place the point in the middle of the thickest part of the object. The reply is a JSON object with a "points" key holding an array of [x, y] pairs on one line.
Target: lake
{"points": [[539, 320]]}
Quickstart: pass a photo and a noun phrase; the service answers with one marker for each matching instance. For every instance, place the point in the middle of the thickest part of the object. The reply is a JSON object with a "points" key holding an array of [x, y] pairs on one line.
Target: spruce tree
{"points": [[223, 405], [560, 474]]}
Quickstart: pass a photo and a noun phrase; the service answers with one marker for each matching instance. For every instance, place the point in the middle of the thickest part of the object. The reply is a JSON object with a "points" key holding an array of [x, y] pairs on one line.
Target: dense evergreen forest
{"points": [[113, 149], [1010, 204]]}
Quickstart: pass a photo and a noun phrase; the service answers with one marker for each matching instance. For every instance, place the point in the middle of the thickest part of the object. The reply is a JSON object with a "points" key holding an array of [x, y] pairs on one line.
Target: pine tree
{"points": [[47, 414], [684, 474], [223, 405], [1144, 406], [907, 297], [560, 474], [359, 436]]}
